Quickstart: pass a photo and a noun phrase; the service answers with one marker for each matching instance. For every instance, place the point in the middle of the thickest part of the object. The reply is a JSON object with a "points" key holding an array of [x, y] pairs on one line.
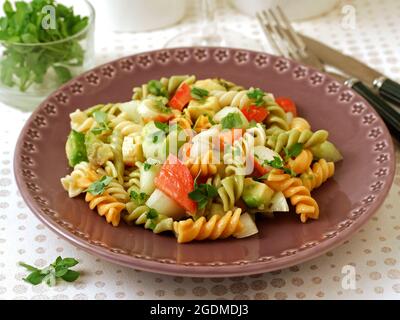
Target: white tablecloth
{"points": [[374, 250]]}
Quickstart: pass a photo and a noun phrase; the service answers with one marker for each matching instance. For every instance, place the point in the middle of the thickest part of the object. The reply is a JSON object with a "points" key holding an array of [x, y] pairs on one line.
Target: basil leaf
{"points": [[35, 277], [71, 276]]}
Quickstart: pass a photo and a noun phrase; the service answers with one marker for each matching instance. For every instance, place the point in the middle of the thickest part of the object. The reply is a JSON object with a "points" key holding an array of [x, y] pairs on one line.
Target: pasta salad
{"points": [[201, 159]]}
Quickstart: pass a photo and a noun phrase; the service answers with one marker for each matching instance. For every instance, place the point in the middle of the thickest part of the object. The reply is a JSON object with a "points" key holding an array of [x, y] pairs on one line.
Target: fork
{"points": [[286, 42]]}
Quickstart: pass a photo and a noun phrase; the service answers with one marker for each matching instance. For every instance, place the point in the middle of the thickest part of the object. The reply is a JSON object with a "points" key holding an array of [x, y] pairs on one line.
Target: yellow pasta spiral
{"points": [[204, 166], [232, 98], [202, 123], [107, 206], [81, 122], [300, 124], [217, 227], [298, 194], [79, 180], [302, 162], [320, 172]]}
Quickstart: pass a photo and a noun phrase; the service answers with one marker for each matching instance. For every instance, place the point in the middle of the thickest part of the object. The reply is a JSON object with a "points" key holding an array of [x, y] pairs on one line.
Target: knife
{"points": [[387, 88]]}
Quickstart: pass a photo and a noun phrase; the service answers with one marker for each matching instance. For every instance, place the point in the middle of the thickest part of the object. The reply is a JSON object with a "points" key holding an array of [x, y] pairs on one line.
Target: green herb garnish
{"points": [[199, 94], [155, 138], [277, 163], [98, 187], [156, 88], [202, 193], [102, 121], [293, 151], [257, 95], [49, 275], [162, 126], [232, 120], [138, 198], [152, 214], [146, 166], [24, 66]]}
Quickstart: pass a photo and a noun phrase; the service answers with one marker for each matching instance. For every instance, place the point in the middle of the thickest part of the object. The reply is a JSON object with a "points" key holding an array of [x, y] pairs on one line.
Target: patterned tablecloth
{"points": [[373, 251]]}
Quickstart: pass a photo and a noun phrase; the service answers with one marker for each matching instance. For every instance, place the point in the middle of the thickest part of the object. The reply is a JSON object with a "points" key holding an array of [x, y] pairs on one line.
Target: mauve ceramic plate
{"points": [[347, 201]]}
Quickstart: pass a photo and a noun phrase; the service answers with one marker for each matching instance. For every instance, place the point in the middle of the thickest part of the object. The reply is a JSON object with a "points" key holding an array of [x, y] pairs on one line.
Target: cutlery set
{"points": [[382, 93]]}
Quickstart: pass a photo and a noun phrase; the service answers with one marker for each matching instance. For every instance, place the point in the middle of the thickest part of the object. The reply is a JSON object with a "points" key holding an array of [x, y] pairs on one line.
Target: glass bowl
{"points": [[29, 72]]}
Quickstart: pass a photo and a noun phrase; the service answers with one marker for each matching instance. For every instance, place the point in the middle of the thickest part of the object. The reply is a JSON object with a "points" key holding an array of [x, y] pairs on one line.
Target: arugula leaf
{"points": [[293, 151], [202, 193], [138, 198], [231, 121], [257, 95], [156, 88], [98, 187], [60, 268], [198, 93]]}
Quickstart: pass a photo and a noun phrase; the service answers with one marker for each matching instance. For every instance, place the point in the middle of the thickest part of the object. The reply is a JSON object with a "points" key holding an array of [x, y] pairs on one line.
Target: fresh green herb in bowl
{"points": [[43, 44]]}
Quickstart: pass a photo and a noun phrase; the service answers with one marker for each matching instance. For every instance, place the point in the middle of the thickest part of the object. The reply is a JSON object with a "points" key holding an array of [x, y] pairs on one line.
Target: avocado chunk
{"points": [[256, 194], [326, 150], [98, 152], [75, 148]]}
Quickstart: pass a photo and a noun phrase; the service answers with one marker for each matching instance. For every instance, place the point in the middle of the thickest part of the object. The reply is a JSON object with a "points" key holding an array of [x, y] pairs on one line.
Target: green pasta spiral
{"points": [[139, 216], [230, 191], [276, 116], [289, 138], [132, 180]]}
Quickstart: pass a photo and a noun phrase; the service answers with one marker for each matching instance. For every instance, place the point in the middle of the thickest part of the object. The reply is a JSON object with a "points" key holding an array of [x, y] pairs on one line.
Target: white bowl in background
{"points": [[137, 15], [294, 9]]}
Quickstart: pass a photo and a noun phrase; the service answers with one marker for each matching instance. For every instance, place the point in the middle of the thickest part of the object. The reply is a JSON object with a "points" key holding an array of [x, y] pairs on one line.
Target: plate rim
{"points": [[217, 269]]}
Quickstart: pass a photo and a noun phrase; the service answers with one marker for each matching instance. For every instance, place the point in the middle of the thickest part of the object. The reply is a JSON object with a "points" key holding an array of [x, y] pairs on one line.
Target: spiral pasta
{"points": [[132, 180], [224, 167], [276, 115], [81, 122], [232, 98], [300, 124], [320, 172], [230, 191], [289, 138], [170, 84], [139, 215], [118, 163], [202, 123], [217, 227], [107, 206], [79, 179], [205, 165], [258, 133], [302, 162], [299, 195]]}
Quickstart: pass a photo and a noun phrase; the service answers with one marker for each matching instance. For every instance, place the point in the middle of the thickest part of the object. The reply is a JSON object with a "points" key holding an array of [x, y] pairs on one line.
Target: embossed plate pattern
{"points": [[358, 189]]}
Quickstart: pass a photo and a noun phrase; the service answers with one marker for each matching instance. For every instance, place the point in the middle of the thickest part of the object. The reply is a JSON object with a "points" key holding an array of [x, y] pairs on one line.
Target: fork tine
{"points": [[299, 42], [267, 29], [280, 30]]}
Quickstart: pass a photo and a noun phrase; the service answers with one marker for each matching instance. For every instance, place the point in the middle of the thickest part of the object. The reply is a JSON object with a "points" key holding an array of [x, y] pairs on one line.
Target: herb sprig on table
{"points": [[23, 65], [49, 275]]}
